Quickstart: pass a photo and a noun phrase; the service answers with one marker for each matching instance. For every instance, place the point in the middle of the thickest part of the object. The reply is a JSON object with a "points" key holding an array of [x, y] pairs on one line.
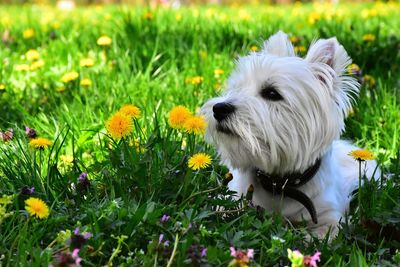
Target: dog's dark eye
{"points": [[269, 93]]}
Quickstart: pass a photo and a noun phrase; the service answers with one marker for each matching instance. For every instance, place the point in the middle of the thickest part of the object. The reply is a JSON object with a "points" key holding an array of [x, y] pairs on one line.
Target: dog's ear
{"points": [[328, 60], [279, 45], [331, 53]]}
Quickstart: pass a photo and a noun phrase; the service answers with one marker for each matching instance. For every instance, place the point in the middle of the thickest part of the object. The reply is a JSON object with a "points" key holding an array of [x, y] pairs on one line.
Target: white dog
{"points": [[277, 127]]}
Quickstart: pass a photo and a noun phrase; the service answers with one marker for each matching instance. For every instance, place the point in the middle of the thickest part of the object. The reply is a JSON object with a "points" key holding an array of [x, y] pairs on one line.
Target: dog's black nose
{"points": [[222, 110]]}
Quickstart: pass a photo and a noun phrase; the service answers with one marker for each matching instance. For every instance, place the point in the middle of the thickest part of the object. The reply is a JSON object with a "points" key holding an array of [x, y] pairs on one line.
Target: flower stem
{"points": [[155, 260], [359, 188], [200, 193], [117, 250], [171, 259]]}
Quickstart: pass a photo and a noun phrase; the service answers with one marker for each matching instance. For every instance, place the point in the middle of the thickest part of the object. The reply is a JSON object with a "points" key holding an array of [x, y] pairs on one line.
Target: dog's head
{"points": [[280, 112]]}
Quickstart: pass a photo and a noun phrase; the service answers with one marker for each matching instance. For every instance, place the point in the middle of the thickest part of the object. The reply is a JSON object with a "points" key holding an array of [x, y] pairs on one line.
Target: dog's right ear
{"points": [[279, 45]]}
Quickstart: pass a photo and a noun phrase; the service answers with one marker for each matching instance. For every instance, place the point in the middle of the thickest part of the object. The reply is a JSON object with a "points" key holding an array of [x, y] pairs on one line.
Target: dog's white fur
{"points": [[291, 134]]}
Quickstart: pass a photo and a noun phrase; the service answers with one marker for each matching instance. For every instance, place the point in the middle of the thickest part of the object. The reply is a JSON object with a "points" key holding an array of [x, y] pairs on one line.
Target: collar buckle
{"points": [[287, 186]]}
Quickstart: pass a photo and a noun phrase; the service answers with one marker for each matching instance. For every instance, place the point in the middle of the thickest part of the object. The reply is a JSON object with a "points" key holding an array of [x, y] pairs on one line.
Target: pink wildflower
{"points": [[311, 261], [68, 259], [241, 258], [76, 256]]}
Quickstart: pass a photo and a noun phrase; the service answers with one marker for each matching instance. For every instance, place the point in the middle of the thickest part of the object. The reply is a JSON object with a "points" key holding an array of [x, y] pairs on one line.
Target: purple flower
{"points": [[27, 191], [31, 133], [76, 231], [196, 254], [203, 252], [160, 238], [83, 182], [87, 235], [78, 239], [165, 218], [82, 176], [160, 241]]}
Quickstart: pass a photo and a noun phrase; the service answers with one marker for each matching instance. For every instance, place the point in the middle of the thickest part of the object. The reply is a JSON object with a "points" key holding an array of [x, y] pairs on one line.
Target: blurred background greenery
{"points": [[70, 3]]}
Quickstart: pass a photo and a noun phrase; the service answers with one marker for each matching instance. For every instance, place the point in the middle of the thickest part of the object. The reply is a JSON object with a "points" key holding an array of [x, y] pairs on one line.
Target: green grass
{"points": [[131, 188]]}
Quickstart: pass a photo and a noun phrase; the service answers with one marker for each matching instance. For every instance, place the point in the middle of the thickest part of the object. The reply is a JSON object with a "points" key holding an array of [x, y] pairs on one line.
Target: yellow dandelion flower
{"points": [[86, 82], [86, 62], [314, 17], [131, 111], [40, 143], [294, 39], [32, 55], [196, 80], [244, 15], [195, 124], [254, 48], [369, 80], [104, 40], [56, 25], [178, 116], [119, 125], [217, 86], [6, 21], [37, 65], [353, 69], [148, 15], [300, 49], [61, 89], [199, 161], [138, 147], [69, 77], [351, 112], [368, 37], [362, 154], [218, 73], [37, 207], [22, 67], [28, 33], [2, 87]]}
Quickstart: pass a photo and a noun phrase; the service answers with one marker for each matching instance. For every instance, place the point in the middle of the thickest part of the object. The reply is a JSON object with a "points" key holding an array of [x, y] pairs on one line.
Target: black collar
{"points": [[287, 185]]}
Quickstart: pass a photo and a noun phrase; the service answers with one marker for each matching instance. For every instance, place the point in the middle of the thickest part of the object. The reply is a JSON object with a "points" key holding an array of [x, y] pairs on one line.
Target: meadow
{"points": [[102, 157]]}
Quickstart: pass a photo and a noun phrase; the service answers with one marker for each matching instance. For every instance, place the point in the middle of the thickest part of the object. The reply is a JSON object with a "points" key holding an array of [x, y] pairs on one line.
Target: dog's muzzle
{"points": [[223, 110]]}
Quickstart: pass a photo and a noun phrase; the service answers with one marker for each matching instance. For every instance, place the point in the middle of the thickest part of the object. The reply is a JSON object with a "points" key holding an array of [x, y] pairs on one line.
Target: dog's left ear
{"points": [[279, 45], [331, 53], [328, 60]]}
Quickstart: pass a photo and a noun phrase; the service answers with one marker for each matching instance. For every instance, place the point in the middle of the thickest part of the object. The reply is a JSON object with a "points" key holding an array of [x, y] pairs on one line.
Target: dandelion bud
{"points": [[228, 177], [249, 194]]}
